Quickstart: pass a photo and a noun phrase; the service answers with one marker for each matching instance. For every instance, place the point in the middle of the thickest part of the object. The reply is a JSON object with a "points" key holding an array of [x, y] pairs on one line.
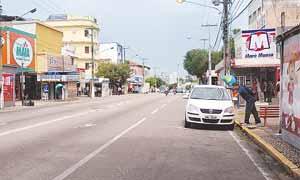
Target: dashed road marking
{"points": [[265, 174], [83, 161], [163, 106], [155, 111]]}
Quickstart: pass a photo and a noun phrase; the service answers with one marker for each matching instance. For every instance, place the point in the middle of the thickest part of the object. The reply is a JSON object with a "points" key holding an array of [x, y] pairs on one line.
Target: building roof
{"points": [[6, 28], [131, 63]]}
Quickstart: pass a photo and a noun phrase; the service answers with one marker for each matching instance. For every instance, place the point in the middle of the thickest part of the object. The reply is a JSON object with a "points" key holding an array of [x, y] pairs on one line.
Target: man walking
{"points": [[250, 99]]}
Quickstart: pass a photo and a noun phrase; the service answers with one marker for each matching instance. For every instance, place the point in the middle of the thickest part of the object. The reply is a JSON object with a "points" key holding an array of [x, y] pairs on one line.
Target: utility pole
{"points": [[209, 52], [93, 66], [227, 62]]}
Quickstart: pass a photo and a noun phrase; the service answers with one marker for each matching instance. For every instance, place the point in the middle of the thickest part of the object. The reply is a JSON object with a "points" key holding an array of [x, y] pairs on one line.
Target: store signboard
{"points": [[60, 64], [290, 87], [258, 43], [22, 50]]}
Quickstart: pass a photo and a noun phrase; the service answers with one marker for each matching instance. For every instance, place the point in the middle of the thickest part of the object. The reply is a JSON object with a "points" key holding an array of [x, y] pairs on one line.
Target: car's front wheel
{"points": [[187, 124]]}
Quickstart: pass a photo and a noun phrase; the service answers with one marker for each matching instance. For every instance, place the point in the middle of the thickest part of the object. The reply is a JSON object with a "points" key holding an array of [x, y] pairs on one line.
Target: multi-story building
{"points": [[264, 14], [52, 68], [112, 52], [78, 33], [137, 79]]}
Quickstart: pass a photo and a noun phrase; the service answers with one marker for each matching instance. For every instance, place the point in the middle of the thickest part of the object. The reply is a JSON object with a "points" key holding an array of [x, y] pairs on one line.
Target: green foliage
{"points": [[114, 72], [196, 61], [155, 81]]}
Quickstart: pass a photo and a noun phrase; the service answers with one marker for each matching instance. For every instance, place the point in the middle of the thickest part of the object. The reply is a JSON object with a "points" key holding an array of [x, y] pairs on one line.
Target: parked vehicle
{"points": [[209, 104]]}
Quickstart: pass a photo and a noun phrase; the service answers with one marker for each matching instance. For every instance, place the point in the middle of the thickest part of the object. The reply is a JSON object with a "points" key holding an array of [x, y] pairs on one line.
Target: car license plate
{"points": [[211, 117]]}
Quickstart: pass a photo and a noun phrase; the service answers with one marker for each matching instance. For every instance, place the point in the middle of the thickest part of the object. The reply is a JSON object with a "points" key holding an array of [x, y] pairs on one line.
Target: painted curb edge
{"points": [[290, 166]]}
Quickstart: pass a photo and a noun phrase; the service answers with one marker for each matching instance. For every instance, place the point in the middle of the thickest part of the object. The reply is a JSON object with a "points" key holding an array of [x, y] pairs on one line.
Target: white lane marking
{"points": [[83, 161], [43, 123], [163, 106], [263, 172], [155, 111]]}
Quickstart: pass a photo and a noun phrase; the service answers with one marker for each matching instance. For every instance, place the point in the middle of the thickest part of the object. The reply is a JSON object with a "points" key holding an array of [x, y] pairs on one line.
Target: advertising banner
{"points": [[8, 88], [290, 86], [258, 43], [22, 51], [55, 63], [60, 64]]}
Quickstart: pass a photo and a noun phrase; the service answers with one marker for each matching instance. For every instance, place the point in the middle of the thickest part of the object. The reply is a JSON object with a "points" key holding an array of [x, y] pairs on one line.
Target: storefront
{"points": [[57, 78], [290, 85], [18, 58], [256, 61]]}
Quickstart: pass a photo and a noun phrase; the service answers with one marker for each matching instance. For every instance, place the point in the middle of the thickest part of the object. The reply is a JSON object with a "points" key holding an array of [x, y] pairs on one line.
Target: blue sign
{"points": [[46, 88]]}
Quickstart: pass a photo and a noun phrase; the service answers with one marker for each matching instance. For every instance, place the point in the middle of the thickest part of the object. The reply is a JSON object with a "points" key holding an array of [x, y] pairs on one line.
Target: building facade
{"points": [[77, 34], [112, 52], [80, 33], [18, 57], [138, 76], [50, 63], [264, 14]]}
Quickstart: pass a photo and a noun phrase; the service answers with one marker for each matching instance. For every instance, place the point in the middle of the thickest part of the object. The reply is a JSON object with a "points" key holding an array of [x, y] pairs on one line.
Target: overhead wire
{"points": [[241, 12], [237, 8]]}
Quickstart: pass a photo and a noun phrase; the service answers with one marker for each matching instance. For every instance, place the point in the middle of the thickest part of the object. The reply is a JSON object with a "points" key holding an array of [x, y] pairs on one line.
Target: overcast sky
{"points": [[154, 29]]}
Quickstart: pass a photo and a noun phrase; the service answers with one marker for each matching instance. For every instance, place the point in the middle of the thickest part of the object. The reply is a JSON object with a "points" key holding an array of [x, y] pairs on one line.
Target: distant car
{"points": [[209, 104]]}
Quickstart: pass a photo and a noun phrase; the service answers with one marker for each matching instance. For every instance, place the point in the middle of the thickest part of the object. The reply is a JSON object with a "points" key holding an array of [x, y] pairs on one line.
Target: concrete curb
{"points": [[290, 166]]}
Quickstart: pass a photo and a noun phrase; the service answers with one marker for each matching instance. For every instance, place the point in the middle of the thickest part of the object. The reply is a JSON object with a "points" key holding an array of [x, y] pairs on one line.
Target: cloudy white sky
{"points": [[154, 29]]}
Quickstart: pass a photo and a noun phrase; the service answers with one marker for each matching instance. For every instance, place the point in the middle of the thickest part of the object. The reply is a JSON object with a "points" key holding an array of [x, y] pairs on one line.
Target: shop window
{"points": [[87, 49]]}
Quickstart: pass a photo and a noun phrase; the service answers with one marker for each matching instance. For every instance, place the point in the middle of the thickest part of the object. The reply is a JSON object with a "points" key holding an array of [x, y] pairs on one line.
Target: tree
{"points": [[155, 81], [196, 62], [116, 73]]}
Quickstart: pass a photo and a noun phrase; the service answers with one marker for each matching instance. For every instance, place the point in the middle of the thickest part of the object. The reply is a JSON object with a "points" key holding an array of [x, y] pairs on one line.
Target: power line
{"points": [[56, 6], [237, 8], [219, 31], [40, 5], [240, 13]]}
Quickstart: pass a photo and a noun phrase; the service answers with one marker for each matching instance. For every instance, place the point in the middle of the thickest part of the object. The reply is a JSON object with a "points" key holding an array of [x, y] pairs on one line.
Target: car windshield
{"points": [[210, 93]]}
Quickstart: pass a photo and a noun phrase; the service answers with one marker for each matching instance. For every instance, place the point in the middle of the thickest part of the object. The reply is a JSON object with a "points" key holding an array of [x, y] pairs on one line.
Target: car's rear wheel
{"points": [[187, 124], [231, 127]]}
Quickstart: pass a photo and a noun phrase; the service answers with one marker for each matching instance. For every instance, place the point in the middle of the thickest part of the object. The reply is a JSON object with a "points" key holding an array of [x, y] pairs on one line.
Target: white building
{"points": [[112, 52]]}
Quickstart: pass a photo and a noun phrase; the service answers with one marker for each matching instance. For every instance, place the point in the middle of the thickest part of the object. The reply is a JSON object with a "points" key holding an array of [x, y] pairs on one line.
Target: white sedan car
{"points": [[209, 104]]}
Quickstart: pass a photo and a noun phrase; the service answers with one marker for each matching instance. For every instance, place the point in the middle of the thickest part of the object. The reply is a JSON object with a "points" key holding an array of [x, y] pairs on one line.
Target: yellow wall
{"points": [[48, 40]]}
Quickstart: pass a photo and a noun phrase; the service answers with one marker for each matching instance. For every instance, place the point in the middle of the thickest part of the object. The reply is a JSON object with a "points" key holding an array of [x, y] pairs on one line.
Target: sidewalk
{"points": [[271, 141], [41, 104]]}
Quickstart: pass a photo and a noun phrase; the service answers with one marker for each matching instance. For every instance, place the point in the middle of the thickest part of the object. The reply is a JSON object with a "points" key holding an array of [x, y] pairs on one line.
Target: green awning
{"points": [[25, 70]]}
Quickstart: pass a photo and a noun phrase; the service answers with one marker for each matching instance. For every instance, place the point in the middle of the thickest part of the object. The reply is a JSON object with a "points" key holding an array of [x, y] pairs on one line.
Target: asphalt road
{"points": [[136, 137]]}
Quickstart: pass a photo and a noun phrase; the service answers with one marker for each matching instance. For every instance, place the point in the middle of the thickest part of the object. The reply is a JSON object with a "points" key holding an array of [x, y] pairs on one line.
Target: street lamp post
{"points": [[198, 4], [92, 81], [31, 11]]}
